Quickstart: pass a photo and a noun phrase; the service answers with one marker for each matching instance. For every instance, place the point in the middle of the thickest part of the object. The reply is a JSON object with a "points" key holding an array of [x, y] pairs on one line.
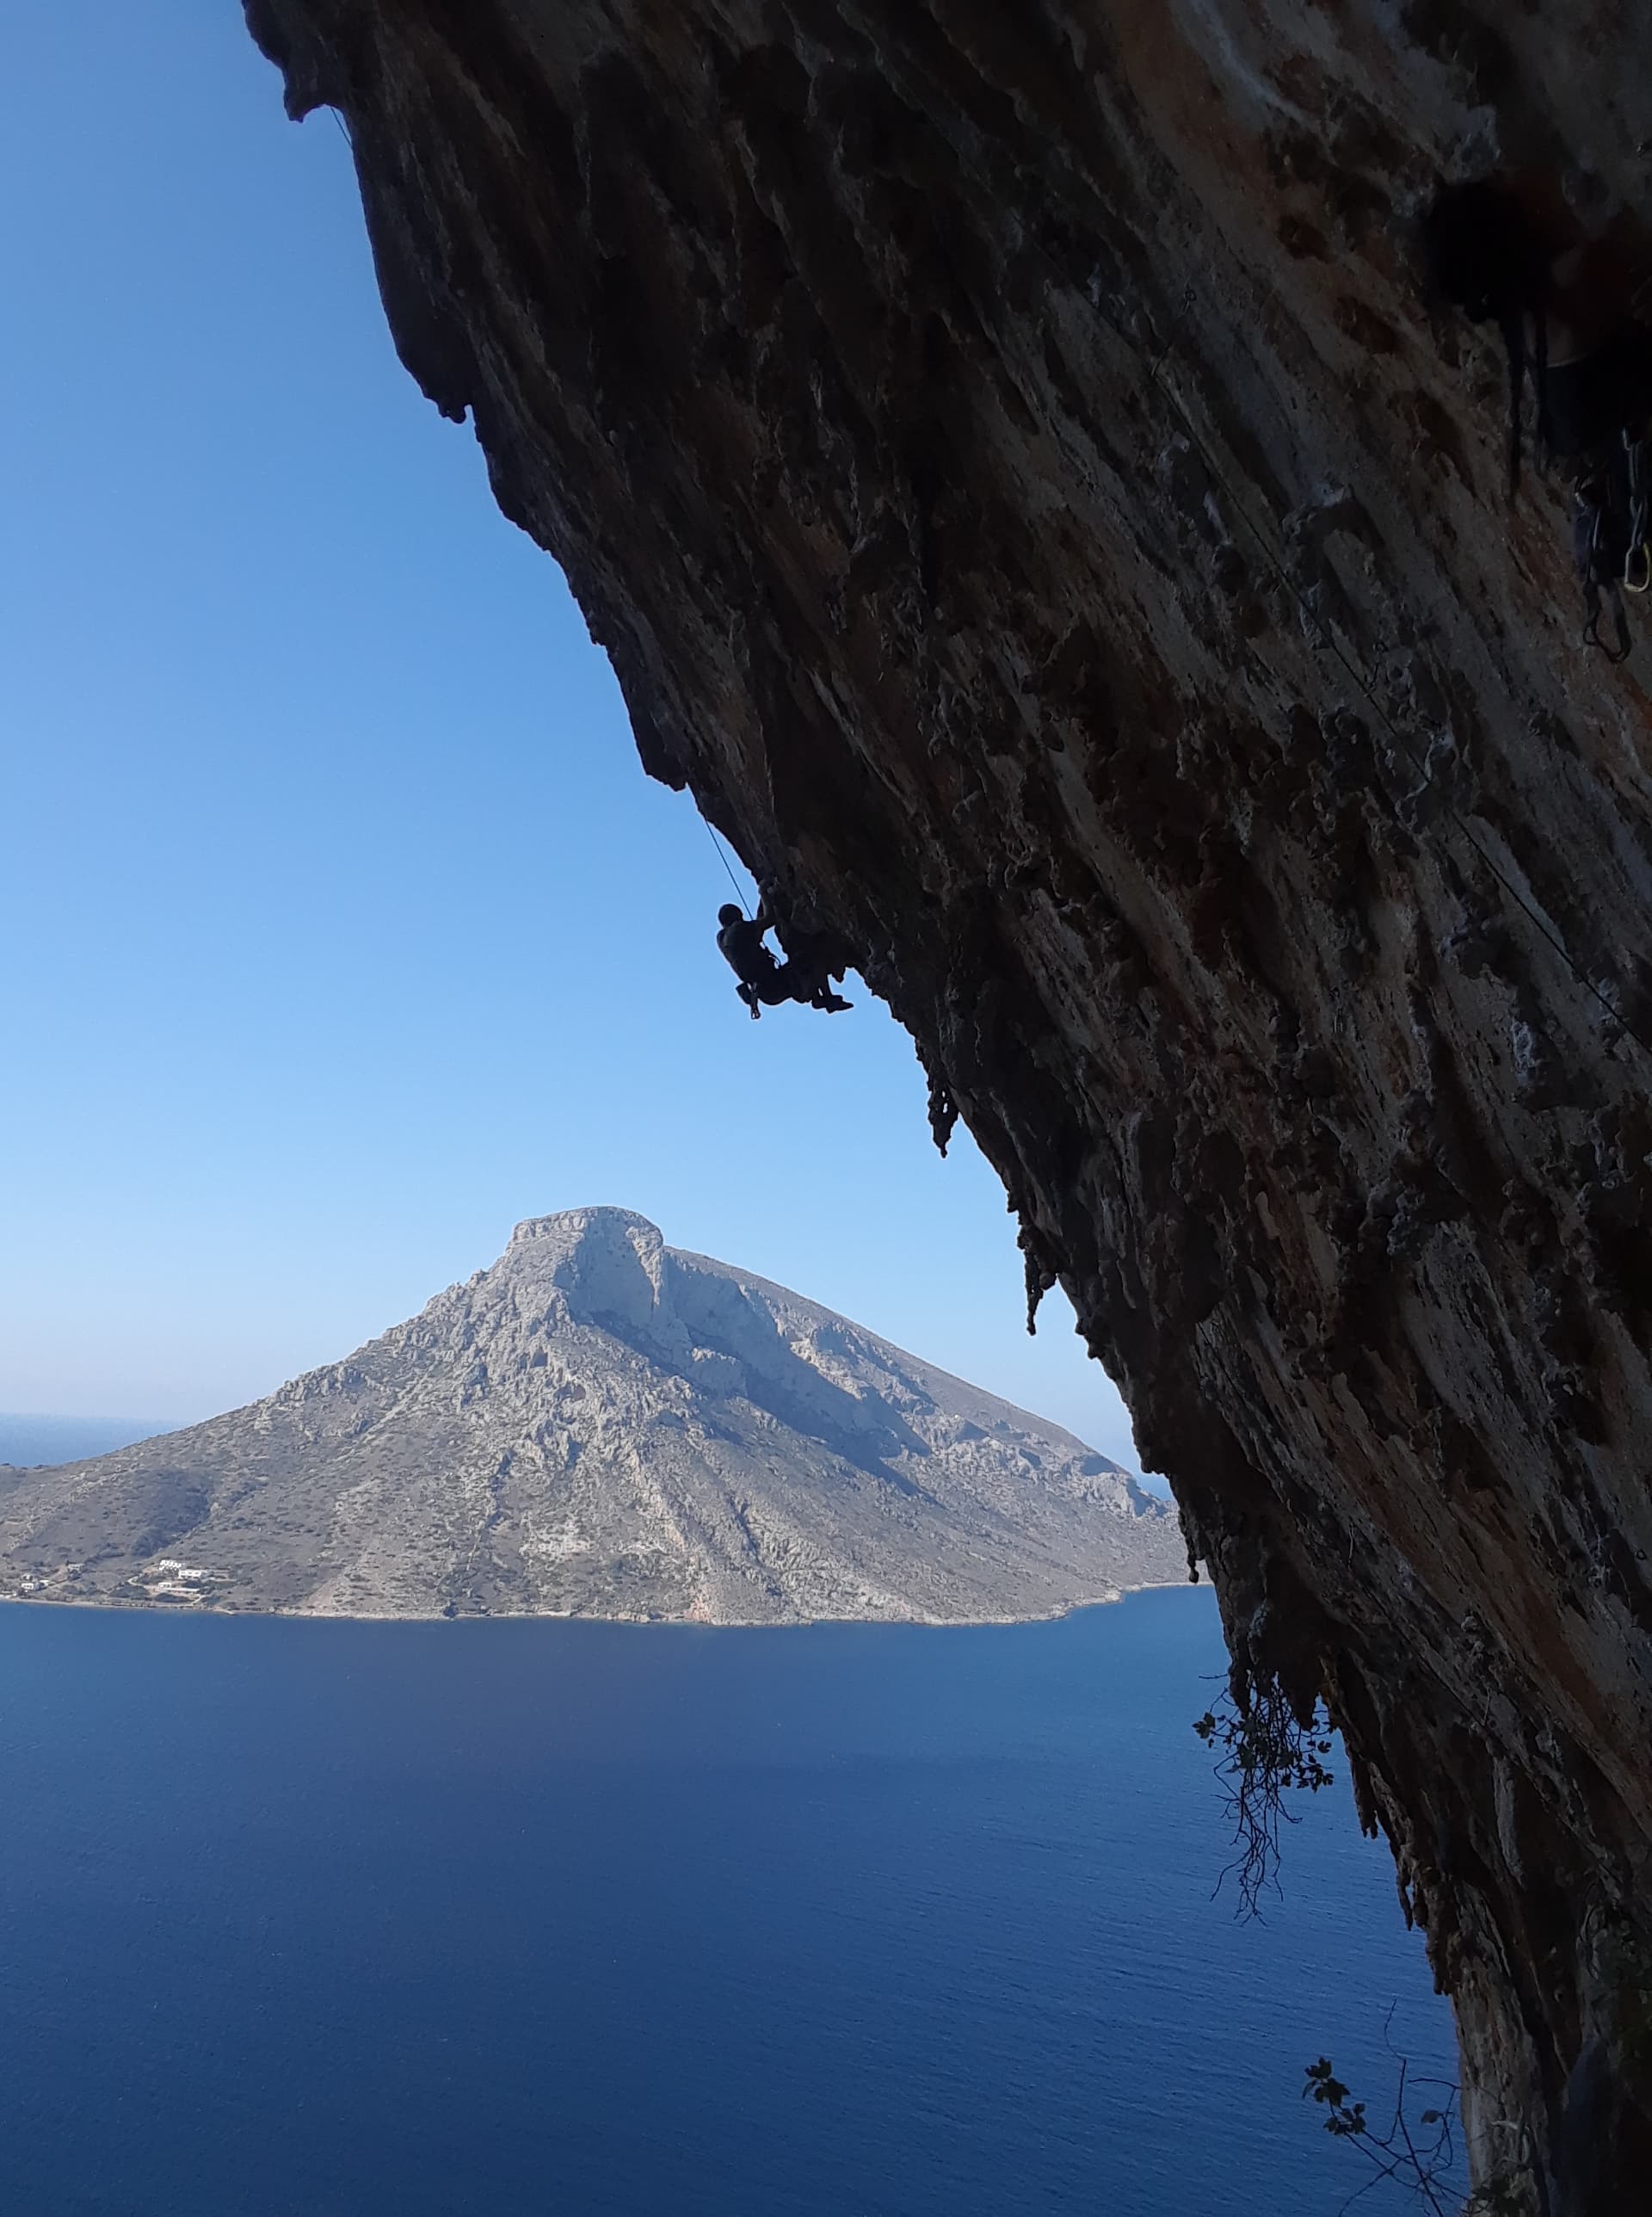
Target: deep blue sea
{"points": [[514, 1917]]}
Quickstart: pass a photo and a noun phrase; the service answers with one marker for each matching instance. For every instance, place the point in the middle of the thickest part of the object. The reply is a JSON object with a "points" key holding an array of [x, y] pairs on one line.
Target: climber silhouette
{"points": [[1509, 249], [763, 982]]}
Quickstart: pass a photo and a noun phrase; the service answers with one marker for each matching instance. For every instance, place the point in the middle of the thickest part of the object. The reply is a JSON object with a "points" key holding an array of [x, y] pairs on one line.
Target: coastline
{"points": [[1108, 1600]]}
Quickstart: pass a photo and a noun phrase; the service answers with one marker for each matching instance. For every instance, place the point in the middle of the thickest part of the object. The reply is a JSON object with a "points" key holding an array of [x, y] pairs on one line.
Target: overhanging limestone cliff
{"points": [[1006, 456]]}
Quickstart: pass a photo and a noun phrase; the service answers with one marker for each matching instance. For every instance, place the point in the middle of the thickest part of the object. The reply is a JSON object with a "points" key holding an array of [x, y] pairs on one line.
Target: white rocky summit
{"points": [[600, 1425]]}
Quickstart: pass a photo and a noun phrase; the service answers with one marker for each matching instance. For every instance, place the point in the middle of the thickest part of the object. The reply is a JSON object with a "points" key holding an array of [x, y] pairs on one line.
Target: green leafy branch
{"points": [[1419, 2156]]}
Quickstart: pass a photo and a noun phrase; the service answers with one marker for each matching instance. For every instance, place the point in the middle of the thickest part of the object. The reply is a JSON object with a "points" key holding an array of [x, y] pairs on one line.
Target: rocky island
{"points": [[600, 1425]]}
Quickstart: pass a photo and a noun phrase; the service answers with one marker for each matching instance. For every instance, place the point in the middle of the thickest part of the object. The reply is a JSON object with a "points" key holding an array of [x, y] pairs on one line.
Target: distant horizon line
{"points": [[79, 1416]]}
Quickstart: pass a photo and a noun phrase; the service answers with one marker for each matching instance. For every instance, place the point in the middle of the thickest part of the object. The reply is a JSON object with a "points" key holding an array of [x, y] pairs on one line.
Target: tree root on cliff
{"points": [[1264, 1751]]}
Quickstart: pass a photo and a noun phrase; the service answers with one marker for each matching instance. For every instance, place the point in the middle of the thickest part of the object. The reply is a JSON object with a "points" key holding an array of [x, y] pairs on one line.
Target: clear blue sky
{"points": [[342, 927]]}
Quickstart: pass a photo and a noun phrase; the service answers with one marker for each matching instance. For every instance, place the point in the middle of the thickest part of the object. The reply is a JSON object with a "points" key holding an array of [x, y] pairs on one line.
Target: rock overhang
{"points": [[1027, 500]]}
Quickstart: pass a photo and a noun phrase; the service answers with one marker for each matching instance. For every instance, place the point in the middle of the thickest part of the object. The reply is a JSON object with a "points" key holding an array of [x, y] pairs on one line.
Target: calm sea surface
{"points": [[541, 1918]]}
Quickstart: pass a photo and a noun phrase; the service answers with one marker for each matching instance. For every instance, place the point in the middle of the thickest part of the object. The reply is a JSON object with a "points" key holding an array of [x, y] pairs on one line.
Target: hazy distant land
{"points": [[36, 1439], [600, 1425]]}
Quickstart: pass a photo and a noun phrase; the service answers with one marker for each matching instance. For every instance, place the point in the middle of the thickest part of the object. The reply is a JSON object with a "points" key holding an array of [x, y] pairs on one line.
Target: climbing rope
{"points": [[722, 857], [1276, 563]]}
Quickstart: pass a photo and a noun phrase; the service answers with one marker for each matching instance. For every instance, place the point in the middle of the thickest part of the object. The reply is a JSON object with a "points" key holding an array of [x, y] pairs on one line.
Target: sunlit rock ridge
{"points": [[601, 1426], [1008, 456]]}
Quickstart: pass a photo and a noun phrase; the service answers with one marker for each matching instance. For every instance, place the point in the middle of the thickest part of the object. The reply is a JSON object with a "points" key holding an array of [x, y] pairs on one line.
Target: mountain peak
{"points": [[602, 1220], [607, 1264]]}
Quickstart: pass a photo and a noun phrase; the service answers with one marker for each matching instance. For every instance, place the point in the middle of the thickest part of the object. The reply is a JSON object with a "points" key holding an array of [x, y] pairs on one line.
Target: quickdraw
{"points": [[1612, 537], [1638, 556]]}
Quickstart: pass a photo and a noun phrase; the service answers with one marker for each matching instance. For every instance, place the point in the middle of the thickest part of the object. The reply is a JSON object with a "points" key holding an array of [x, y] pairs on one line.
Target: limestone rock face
{"points": [[599, 1425], [1007, 455]]}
